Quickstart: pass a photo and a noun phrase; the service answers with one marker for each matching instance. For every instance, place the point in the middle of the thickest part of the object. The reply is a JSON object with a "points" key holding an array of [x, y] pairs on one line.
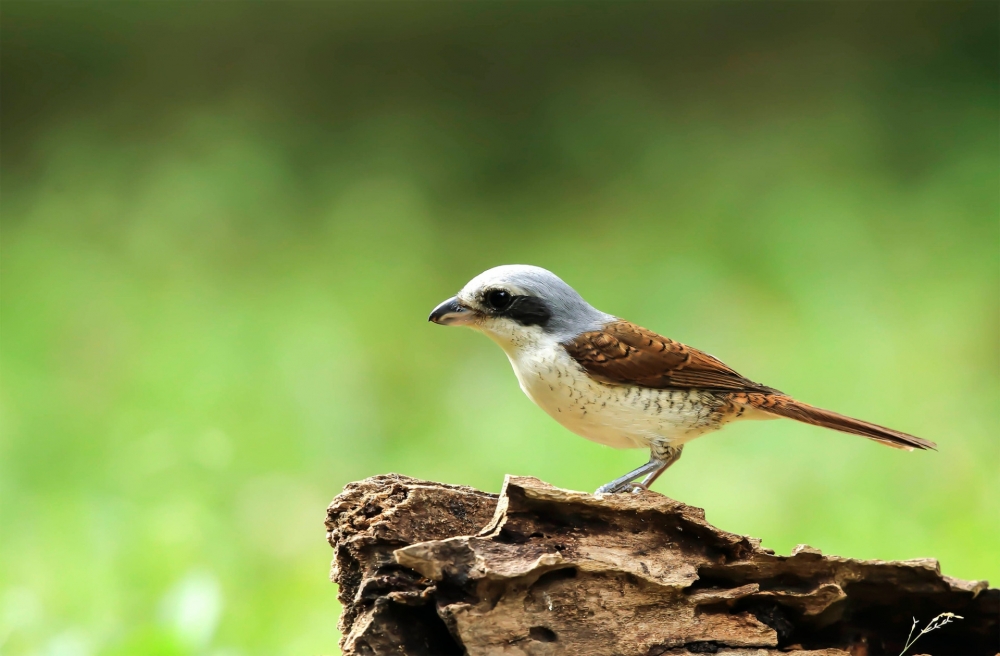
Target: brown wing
{"points": [[622, 353], [625, 354]]}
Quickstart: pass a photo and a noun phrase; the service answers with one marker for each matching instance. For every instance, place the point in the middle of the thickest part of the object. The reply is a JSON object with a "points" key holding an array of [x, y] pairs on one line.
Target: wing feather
{"points": [[623, 353]]}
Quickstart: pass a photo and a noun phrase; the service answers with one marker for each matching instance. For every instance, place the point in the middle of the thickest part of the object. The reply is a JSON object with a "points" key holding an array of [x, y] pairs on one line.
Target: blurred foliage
{"points": [[223, 226]]}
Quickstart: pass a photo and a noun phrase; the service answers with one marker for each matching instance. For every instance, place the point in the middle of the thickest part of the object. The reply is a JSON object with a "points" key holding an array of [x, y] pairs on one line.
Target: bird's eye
{"points": [[498, 299]]}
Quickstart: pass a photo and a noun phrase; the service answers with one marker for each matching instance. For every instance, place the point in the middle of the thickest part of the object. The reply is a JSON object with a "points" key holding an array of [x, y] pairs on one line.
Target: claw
{"points": [[658, 462], [625, 483], [627, 486]]}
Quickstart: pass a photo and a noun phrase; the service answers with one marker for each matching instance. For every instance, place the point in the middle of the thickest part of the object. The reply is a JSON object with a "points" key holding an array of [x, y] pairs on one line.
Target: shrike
{"points": [[615, 383]]}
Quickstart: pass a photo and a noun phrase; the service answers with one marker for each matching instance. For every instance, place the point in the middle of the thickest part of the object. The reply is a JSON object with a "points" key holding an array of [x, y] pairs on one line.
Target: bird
{"points": [[616, 383]]}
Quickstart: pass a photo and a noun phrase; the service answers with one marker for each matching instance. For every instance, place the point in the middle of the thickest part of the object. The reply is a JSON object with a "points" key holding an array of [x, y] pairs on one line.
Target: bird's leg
{"points": [[661, 456], [623, 483], [670, 454]]}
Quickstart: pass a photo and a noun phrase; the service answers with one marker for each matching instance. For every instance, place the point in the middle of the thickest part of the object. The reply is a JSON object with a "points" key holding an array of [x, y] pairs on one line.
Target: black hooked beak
{"points": [[451, 313]]}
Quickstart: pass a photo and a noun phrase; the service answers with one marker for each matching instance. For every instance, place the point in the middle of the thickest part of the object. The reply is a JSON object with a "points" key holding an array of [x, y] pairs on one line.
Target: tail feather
{"points": [[785, 406]]}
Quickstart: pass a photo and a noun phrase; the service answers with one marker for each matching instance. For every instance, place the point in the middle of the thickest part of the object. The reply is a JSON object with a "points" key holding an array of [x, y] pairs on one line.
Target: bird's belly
{"points": [[618, 416]]}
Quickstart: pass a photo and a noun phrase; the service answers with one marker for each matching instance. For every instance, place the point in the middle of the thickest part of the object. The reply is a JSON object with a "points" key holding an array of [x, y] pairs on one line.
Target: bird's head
{"points": [[517, 303]]}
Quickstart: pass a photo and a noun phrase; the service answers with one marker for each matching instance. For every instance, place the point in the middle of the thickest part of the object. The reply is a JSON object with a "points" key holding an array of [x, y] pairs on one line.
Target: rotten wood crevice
{"points": [[435, 569]]}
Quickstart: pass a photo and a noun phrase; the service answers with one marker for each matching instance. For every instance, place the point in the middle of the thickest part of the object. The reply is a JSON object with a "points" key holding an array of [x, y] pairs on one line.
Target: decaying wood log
{"points": [[428, 568]]}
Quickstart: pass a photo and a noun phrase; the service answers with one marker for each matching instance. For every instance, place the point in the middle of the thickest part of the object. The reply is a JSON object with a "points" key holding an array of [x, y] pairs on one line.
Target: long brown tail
{"points": [[785, 406]]}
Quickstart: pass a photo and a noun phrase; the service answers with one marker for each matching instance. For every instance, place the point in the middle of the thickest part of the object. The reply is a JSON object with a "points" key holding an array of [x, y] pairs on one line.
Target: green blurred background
{"points": [[224, 224]]}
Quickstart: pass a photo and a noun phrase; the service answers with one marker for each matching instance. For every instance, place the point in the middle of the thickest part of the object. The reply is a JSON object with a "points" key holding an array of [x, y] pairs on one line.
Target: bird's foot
{"points": [[627, 482], [618, 487]]}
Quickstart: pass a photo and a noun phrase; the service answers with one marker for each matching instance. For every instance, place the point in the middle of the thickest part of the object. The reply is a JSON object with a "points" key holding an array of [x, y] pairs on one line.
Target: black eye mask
{"points": [[527, 311]]}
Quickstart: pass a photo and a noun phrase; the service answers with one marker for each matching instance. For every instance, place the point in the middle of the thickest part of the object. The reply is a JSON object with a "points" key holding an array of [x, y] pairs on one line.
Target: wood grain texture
{"points": [[426, 568]]}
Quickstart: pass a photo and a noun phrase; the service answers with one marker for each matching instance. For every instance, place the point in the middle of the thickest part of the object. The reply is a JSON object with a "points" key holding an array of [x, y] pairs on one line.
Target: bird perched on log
{"points": [[618, 384]]}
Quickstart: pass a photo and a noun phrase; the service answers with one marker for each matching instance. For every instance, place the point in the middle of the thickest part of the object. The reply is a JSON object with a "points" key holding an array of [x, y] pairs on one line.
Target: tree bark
{"points": [[429, 568]]}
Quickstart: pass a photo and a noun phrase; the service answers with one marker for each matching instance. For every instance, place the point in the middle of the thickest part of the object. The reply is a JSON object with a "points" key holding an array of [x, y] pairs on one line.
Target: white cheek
{"points": [[510, 335]]}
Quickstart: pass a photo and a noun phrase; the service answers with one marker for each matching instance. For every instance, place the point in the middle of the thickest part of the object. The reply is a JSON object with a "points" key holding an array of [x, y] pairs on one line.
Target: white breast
{"points": [[618, 416]]}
